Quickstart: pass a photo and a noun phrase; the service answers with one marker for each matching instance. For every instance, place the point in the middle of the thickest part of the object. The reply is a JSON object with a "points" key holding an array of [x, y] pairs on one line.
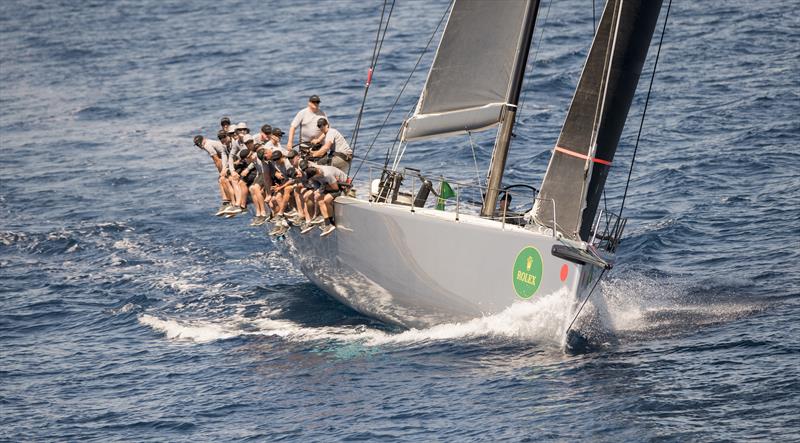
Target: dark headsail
{"points": [[582, 157]]}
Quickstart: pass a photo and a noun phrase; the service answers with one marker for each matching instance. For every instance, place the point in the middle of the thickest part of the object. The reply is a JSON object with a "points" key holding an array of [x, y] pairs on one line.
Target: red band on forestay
{"points": [[369, 76], [581, 156]]}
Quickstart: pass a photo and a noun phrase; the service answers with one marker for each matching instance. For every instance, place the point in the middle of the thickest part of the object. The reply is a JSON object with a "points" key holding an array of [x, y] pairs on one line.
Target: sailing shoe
{"points": [[306, 227], [231, 209], [221, 210], [297, 220], [261, 220], [291, 213], [317, 220], [279, 221], [326, 231]]}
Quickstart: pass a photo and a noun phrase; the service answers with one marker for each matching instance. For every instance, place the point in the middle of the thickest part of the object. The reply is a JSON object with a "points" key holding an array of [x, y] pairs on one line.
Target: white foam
{"points": [[204, 331], [639, 303], [126, 245], [635, 305], [196, 331], [128, 307], [543, 320]]}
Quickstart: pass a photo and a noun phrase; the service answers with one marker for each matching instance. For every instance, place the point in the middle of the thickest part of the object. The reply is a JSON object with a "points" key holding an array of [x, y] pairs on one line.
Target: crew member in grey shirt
{"points": [[275, 142], [233, 147], [328, 178], [305, 122], [216, 150], [334, 146]]}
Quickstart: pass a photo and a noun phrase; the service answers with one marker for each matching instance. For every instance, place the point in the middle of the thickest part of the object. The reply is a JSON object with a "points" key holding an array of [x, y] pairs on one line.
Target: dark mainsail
{"points": [[585, 150], [472, 78]]}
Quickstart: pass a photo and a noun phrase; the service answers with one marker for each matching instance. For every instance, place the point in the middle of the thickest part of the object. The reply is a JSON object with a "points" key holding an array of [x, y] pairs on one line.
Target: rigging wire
{"points": [[585, 300], [376, 51], [644, 111], [535, 54], [397, 99], [633, 159], [475, 160]]}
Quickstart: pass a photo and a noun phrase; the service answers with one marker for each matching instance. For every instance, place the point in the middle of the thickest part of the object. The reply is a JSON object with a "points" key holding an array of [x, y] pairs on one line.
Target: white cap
{"points": [[242, 125], [248, 138], [231, 129]]}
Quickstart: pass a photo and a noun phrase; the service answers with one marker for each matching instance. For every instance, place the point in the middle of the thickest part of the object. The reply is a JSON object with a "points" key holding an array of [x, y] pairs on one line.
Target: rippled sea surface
{"points": [[128, 312]]}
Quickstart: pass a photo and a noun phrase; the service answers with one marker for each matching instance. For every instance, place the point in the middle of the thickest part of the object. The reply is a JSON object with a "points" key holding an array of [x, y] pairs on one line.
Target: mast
{"points": [[583, 155], [494, 176]]}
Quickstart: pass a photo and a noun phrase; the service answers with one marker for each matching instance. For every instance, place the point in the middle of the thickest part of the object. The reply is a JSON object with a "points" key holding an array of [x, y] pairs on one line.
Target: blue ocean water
{"points": [[128, 312]]}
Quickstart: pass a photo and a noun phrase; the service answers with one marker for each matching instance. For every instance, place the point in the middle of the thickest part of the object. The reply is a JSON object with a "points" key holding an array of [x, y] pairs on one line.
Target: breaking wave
{"points": [[637, 308]]}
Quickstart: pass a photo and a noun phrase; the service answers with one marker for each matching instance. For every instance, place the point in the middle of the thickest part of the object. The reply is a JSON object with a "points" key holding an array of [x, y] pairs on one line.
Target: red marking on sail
{"points": [[581, 156], [564, 272]]}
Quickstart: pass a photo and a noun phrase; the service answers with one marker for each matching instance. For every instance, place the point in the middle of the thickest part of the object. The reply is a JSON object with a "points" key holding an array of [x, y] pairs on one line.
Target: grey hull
{"points": [[421, 268]]}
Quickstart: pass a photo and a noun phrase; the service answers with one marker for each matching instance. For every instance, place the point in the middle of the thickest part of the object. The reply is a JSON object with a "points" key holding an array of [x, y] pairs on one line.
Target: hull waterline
{"points": [[422, 268]]}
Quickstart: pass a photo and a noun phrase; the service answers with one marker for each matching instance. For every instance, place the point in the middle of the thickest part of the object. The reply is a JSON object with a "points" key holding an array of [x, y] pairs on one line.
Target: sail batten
{"points": [[469, 83]]}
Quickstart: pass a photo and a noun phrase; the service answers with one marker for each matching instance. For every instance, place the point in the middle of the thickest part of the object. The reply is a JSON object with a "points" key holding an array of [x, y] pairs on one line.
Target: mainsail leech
{"points": [[470, 82]]}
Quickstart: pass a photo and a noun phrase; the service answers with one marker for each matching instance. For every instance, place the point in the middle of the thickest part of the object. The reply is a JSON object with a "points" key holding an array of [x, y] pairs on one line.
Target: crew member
{"points": [[254, 178], [334, 146], [328, 178], [305, 122], [216, 150], [282, 189], [263, 136], [274, 143], [224, 175], [225, 123], [232, 173]]}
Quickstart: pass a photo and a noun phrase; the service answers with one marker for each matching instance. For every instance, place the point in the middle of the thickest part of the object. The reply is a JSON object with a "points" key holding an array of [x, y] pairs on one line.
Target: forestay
{"points": [[469, 83]]}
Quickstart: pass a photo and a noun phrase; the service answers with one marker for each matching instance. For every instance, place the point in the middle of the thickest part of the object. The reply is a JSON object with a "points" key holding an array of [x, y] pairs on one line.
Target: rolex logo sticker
{"points": [[527, 272]]}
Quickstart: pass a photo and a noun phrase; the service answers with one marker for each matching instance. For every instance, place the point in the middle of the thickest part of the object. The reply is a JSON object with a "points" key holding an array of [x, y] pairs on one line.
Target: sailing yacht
{"points": [[397, 259]]}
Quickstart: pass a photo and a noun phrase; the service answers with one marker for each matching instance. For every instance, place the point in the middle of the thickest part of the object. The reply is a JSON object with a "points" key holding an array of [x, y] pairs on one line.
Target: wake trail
{"points": [[541, 321], [637, 308]]}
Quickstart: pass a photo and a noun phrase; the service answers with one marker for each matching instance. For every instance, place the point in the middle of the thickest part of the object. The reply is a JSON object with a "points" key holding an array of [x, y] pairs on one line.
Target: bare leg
{"points": [[258, 200], [287, 193], [237, 191], [225, 189], [222, 190], [244, 193], [327, 203], [269, 201], [322, 207], [308, 204]]}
